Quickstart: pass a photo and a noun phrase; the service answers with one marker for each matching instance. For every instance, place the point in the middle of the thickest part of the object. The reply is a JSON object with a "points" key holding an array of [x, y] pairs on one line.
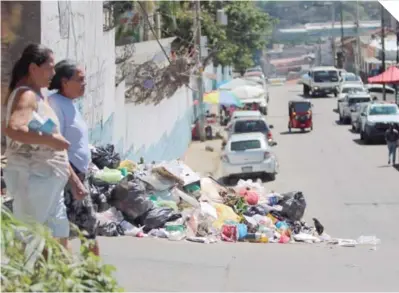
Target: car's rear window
{"points": [[245, 126], [347, 90], [384, 110], [245, 145], [359, 100]]}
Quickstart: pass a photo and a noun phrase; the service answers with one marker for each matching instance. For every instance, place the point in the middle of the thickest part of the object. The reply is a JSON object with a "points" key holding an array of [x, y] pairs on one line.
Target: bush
{"points": [[25, 269]]}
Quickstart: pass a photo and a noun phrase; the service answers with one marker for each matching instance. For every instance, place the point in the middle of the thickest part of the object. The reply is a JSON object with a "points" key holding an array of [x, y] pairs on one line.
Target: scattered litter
{"points": [[169, 200]]}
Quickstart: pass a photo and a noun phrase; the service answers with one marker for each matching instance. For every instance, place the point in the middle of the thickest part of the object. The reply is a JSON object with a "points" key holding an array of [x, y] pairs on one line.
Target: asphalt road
{"points": [[348, 187]]}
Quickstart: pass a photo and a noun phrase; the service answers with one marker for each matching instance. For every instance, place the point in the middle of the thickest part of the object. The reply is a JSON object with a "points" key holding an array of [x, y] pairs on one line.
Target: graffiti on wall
{"points": [[150, 83], [79, 36]]}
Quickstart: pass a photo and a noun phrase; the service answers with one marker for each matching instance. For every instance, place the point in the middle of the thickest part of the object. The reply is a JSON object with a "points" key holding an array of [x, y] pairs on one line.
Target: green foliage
{"points": [[291, 13], [247, 31], [25, 269]]}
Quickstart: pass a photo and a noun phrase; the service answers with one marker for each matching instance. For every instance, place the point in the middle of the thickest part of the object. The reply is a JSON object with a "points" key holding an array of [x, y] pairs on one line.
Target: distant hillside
{"points": [[292, 13]]}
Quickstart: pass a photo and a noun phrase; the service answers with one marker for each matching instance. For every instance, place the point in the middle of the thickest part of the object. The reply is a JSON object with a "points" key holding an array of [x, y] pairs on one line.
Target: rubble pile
{"points": [[169, 200]]}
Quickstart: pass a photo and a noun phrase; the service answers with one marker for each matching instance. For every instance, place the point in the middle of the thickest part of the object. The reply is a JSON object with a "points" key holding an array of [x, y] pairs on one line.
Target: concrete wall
{"points": [[20, 25], [74, 29]]}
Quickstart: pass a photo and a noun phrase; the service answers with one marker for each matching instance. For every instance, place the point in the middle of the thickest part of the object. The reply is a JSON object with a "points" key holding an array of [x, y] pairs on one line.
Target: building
{"points": [[150, 120]]}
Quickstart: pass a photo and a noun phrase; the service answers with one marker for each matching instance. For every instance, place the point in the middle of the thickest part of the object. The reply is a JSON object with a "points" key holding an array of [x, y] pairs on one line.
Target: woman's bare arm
{"points": [[21, 114]]}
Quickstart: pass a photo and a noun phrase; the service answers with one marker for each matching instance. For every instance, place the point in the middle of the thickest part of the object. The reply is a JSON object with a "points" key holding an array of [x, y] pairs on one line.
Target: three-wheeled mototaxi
{"points": [[300, 115]]}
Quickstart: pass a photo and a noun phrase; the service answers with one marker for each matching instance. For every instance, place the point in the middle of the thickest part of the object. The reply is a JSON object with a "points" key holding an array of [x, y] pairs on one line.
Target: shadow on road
{"points": [[396, 167], [232, 181], [384, 166], [352, 131], [359, 141], [295, 132], [374, 142], [335, 110], [314, 97]]}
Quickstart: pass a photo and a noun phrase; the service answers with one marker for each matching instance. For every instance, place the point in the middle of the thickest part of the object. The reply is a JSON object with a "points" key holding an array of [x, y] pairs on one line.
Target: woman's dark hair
{"points": [[63, 69], [33, 53]]}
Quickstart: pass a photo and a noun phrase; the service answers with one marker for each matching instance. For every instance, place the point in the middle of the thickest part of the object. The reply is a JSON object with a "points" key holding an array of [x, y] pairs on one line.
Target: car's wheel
{"points": [[367, 139], [272, 176]]}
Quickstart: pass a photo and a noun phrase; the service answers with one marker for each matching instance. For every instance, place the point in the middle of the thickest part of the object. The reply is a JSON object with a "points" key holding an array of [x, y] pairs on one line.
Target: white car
{"points": [[346, 107], [375, 91], [375, 120], [251, 125], [349, 77], [249, 154], [355, 116], [346, 88]]}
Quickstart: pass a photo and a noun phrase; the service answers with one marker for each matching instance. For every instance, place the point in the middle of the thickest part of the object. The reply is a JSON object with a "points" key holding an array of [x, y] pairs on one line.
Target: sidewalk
{"points": [[202, 161]]}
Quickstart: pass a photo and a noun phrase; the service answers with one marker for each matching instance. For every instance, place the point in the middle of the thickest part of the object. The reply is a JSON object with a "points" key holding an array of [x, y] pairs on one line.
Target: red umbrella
{"points": [[391, 75]]}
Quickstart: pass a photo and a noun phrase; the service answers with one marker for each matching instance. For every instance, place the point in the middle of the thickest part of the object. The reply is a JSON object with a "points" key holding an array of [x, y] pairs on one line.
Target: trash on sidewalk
{"points": [[169, 200]]}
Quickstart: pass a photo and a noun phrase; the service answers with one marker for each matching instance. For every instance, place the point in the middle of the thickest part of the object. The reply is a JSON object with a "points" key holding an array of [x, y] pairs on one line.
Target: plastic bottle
{"points": [[256, 237]]}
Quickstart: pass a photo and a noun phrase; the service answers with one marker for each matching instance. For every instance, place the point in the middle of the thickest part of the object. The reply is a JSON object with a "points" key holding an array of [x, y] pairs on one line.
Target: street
{"points": [[348, 186]]}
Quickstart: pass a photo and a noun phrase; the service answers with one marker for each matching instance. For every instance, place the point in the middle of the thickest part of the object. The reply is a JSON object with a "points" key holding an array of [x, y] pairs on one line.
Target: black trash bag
{"points": [[110, 230], [156, 218], [105, 157], [100, 193], [256, 210], [130, 197], [294, 205]]}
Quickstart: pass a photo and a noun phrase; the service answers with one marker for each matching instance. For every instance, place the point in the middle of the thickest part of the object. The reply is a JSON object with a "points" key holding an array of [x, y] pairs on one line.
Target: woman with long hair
{"points": [[69, 81], [37, 163]]}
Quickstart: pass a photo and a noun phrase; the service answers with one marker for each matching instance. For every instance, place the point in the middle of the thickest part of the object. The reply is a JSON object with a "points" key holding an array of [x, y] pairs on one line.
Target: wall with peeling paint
{"points": [[156, 132]]}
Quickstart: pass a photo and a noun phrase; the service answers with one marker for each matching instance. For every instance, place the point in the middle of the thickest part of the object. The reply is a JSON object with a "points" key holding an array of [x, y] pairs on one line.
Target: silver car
{"points": [[249, 154]]}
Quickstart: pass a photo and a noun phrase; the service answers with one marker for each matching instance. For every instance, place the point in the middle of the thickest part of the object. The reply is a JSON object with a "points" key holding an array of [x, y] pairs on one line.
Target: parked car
{"points": [[375, 120], [346, 88], [250, 125], [375, 91], [346, 107], [349, 77], [355, 116], [249, 154]]}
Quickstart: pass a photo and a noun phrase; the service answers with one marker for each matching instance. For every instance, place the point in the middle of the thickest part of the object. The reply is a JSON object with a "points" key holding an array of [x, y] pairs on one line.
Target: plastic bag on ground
{"points": [[111, 215], [293, 205], [130, 197], [185, 197], [256, 186], [200, 220], [156, 218], [368, 240], [225, 213], [105, 157], [209, 189]]}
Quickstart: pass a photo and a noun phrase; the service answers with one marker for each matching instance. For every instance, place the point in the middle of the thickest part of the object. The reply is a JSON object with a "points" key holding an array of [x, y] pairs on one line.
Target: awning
{"points": [[391, 76]]}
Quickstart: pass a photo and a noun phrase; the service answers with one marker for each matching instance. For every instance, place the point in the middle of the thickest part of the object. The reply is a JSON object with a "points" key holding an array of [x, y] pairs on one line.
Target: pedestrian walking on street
{"points": [[37, 163], [69, 81], [392, 139]]}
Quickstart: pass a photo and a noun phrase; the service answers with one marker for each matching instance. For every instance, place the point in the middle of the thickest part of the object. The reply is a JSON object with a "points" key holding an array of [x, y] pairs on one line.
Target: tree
{"points": [[235, 44]]}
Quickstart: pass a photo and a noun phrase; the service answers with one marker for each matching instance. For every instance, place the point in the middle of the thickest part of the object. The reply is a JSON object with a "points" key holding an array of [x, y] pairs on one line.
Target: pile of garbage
{"points": [[169, 200]]}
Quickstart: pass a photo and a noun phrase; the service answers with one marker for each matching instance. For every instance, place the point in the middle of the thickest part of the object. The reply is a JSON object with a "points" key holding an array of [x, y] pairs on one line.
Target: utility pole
{"points": [[342, 56], [359, 52], [383, 49], [200, 87], [332, 31]]}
